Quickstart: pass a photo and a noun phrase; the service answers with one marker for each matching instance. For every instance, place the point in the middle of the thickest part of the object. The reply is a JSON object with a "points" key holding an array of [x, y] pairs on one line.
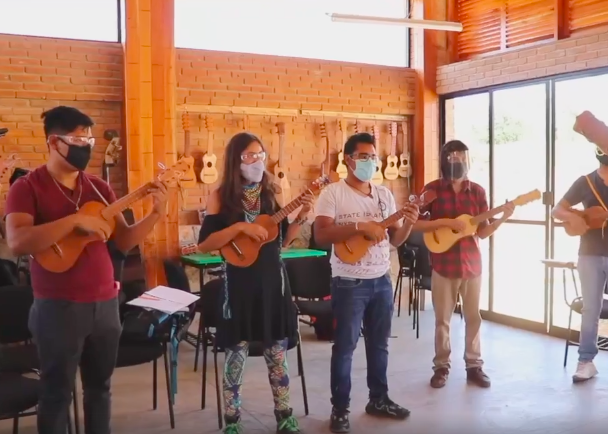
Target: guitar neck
{"points": [[289, 208], [487, 215], [126, 201], [394, 146], [187, 143], [210, 143], [281, 150], [393, 218]]}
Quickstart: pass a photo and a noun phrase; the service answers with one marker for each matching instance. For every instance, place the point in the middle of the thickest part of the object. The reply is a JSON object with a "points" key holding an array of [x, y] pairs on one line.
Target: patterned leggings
{"points": [[278, 375]]}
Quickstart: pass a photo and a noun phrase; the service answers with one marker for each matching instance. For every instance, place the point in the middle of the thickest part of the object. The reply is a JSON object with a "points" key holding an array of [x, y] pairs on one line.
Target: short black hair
{"points": [[454, 146], [350, 147], [17, 173], [64, 120]]}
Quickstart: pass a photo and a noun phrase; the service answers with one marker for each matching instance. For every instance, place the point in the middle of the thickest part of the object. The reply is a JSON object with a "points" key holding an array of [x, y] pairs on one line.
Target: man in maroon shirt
{"points": [[457, 271], [74, 319]]}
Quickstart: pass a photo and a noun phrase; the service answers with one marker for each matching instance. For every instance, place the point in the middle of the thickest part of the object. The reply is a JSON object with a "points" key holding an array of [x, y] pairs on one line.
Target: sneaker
{"points": [[339, 421], [477, 377], [584, 371], [233, 426], [286, 422], [386, 408]]}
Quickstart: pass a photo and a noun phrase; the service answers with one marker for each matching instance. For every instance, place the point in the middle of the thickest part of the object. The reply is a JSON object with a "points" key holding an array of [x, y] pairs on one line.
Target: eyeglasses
{"points": [[253, 156], [77, 140], [364, 157]]}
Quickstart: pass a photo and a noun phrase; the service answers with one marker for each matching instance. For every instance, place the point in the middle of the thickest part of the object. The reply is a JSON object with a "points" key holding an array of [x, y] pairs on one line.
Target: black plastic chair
{"points": [[310, 282], [18, 394], [407, 260]]}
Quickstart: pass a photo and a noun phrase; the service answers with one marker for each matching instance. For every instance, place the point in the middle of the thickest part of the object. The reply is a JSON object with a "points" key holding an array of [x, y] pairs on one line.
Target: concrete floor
{"points": [[531, 392]]}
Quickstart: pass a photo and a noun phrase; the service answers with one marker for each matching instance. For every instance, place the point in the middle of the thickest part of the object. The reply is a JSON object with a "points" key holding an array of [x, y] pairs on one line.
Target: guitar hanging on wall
{"points": [[280, 170], [189, 179], [326, 166], [341, 169], [209, 173], [112, 153], [391, 172], [377, 179], [405, 168]]}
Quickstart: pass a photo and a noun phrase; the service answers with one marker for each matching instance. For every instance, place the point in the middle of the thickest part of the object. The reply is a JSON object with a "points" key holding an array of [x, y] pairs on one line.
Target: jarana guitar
{"points": [[112, 153], [280, 170], [391, 172], [189, 179], [442, 239], [596, 217], [326, 167], [63, 255], [405, 167], [243, 251], [352, 250], [341, 168], [209, 173], [377, 179]]}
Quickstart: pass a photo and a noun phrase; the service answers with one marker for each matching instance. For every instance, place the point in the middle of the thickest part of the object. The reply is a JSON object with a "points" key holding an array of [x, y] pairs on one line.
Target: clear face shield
{"points": [[456, 165]]}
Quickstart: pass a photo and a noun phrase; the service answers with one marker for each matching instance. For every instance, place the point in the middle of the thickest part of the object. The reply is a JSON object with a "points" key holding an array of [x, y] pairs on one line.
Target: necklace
{"points": [[77, 203], [370, 194]]}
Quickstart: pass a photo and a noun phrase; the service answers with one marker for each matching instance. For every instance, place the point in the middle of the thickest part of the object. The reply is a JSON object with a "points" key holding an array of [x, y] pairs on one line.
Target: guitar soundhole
{"points": [[209, 165], [455, 232], [281, 175]]}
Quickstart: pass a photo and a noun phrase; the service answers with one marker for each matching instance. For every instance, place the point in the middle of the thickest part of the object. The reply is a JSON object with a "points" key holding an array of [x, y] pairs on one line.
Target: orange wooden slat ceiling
{"points": [[529, 21], [481, 21], [587, 13]]}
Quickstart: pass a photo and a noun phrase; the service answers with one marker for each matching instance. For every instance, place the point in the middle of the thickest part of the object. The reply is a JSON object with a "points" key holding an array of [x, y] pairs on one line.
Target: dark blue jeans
{"points": [[357, 301]]}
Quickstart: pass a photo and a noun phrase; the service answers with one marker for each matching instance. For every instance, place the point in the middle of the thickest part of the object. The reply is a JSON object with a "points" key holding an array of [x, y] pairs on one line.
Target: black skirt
{"points": [[256, 304]]}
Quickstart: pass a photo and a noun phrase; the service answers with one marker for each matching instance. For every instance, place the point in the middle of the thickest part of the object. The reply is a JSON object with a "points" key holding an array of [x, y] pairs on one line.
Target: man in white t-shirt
{"points": [[362, 292]]}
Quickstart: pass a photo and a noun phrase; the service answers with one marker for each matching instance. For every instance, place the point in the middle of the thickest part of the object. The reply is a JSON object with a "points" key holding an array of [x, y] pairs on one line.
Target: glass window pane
{"points": [[97, 21], [520, 147], [293, 28], [467, 119]]}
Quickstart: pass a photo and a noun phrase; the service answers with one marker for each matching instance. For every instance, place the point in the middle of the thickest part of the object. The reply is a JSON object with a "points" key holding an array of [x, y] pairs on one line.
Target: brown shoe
{"points": [[477, 377], [439, 378]]}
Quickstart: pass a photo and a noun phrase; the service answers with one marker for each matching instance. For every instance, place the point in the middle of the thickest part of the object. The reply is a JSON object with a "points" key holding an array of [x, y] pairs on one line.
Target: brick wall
{"points": [[40, 73], [586, 51]]}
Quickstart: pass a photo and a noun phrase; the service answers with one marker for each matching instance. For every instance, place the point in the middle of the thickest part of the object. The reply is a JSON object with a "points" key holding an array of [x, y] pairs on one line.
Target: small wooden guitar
{"points": [[352, 250], [326, 167], [189, 180], [112, 153], [63, 255], [442, 239], [596, 217], [341, 169], [391, 172], [280, 170], [405, 168], [5, 167], [209, 174], [592, 129], [243, 251], [377, 179]]}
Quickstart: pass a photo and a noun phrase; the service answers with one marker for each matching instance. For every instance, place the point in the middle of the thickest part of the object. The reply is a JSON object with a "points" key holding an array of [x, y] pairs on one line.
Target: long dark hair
{"points": [[231, 188]]}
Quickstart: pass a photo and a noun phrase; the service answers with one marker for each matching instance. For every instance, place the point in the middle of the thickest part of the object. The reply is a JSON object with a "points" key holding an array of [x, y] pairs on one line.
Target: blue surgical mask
{"points": [[253, 172], [364, 170]]}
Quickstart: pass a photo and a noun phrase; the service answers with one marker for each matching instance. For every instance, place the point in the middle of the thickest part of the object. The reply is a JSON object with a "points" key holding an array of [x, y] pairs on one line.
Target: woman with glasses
{"points": [[257, 304]]}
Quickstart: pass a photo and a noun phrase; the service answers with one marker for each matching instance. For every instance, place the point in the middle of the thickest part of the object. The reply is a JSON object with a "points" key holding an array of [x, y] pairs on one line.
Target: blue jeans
{"points": [[593, 271], [357, 301]]}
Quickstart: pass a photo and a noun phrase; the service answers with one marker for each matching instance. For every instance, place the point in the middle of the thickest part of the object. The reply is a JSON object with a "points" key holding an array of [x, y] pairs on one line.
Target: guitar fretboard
{"points": [[125, 202], [289, 208]]}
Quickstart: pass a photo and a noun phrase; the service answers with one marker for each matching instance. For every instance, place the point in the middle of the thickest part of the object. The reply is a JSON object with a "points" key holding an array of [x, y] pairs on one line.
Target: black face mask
{"points": [[78, 156], [456, 170], [603, 159]]}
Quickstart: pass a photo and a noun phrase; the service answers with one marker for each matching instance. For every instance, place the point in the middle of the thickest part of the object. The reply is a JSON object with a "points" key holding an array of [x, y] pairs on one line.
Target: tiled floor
{"points": [[531, 392]]}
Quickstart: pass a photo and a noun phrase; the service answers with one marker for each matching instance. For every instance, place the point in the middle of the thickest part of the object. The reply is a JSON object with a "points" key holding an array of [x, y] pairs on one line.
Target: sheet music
{"points": [[165, 299]]}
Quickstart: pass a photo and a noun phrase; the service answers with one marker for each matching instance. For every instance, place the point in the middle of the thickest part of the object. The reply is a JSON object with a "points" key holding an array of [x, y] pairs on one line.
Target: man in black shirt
{"points": [[592, 259]]}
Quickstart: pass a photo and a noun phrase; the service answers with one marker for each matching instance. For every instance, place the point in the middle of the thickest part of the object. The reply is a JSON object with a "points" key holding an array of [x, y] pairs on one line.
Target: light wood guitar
{"points": [[391, 172], [377, 179], [352, 250], [5, 166], [326, 167], [405, 167], [63, 255], [442, 239], [243, 251], [189, 180], [596, 217], [209, 174], [341, 168], [112, 153], [280, 170]]}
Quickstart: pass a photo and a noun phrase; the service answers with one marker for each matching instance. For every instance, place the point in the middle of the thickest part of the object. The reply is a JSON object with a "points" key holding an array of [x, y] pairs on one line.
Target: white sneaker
{"points": [[584, 371]]}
